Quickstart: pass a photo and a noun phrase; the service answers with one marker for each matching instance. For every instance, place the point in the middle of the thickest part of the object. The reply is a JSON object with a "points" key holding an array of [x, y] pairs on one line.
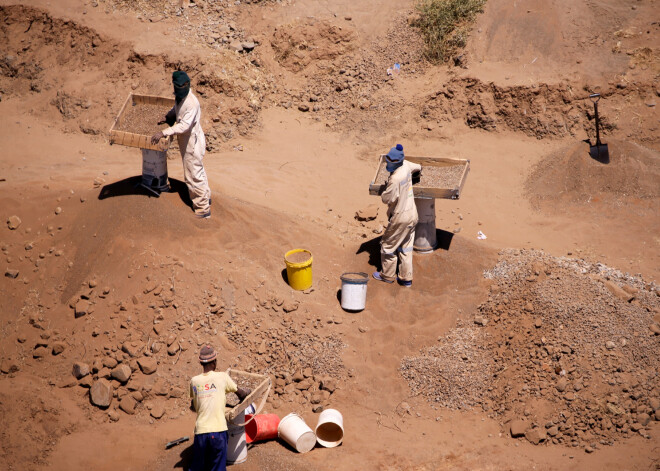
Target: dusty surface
{"points": [[545, 328]]}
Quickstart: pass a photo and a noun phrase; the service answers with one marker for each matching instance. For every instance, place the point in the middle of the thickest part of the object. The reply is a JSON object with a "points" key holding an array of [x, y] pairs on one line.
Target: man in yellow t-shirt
{"points": [[208, 395]]}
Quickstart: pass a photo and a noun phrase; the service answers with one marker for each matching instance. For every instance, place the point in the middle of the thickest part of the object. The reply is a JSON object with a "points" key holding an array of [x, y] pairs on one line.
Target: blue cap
{"points": [[395, 154]]}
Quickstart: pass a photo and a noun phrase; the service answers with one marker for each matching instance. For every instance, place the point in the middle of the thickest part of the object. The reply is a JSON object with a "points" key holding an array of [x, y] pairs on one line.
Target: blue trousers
{"points": [[209, 452]]}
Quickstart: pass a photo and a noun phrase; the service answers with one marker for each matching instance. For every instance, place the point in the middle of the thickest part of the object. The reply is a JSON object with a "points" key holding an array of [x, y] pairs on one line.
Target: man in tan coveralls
{"points": [[185, 121], [399, 235]]}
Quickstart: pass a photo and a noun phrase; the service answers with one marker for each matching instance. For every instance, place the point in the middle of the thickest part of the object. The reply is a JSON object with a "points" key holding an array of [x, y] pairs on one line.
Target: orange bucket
{"points": [[262, 427]]}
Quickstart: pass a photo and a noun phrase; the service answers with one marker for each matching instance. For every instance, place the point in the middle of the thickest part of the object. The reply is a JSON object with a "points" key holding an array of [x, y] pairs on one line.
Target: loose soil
{"points": [[143, 118]]}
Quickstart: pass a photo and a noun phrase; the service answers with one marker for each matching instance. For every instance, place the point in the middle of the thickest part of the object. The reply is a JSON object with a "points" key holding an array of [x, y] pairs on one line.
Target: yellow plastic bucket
{"points": [[299, 268]]}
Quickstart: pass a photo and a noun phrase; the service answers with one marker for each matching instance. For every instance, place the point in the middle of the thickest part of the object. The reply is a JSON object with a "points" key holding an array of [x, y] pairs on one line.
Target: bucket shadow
{"points": [[185, 458], [285, 277], [131, 186]]}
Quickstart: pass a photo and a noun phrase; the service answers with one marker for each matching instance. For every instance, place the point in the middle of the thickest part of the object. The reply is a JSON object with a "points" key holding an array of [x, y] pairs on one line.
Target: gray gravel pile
{"points": [[566, 353]]}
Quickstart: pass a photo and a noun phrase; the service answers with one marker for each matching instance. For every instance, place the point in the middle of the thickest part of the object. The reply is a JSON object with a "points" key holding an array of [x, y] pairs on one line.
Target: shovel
{"points": [[598, 152]]}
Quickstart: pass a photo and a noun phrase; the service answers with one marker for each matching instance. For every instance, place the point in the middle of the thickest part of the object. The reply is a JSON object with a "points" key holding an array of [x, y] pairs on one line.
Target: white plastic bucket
{"points": [[354, 291], [296, 432], [236, 444], [330, 429], [154, 169]]}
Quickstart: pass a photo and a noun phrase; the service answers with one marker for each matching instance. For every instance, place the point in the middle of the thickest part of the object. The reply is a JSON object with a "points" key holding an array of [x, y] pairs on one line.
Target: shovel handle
{"points": [[595, 97]]}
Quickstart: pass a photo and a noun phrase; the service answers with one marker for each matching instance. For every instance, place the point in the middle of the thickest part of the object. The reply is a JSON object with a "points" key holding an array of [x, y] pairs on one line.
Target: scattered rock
{"points": [[113, 416], [148, 365], [121, 373], [158, 410], [13, 222], [517, 428], [536, 435], [11, 273], [618, 292], [58, 347], [367, 214], [80, 369], [101, 393], [40, 352], [82, 308], [290, 306], [128, 404]]}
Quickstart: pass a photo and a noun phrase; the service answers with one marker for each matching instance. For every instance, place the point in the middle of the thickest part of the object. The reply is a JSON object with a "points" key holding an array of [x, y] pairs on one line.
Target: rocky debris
{"points": [[80, 369], [11, 273], [132, 348], [128, 404], [9, 365], [13, 223], [101, 393], [517, 428], [290, 307], [40, 352], [121, 373], [591, 360], [113, 416], [148, 365]]}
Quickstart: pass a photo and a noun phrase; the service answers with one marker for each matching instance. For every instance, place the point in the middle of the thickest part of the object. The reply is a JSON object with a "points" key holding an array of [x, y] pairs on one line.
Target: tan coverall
{"points": [[192, 145], [399, 235]]}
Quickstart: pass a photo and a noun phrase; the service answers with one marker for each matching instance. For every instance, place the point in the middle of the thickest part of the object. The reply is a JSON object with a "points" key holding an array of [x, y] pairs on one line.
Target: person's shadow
{"points": [[185, 458], [372, 247], [132, 186]]}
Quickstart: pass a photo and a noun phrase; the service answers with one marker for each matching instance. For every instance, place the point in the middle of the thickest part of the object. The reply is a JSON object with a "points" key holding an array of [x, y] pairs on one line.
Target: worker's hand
{"points": [[242, 393], [157, 137]]}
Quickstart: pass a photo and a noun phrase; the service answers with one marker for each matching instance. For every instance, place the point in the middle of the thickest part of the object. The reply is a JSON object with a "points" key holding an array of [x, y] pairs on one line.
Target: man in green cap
{"points": [[185, 121]]}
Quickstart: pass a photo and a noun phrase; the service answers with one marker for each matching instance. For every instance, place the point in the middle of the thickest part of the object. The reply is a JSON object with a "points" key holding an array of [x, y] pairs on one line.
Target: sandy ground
{"points": [[287, 179]]}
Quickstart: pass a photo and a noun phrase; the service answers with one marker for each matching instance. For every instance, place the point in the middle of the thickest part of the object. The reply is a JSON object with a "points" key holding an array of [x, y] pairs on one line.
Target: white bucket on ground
{"points": [[154, 169], [330, 429], [236, 444], [354, 291], [296, 432]]}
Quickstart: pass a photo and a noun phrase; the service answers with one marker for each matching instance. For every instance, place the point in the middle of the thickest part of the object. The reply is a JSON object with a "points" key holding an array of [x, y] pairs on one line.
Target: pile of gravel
{"points": [[562, 351]]}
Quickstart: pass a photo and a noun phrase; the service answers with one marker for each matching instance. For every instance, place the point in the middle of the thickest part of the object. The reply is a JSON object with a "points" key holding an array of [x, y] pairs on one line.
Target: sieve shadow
{"points": [[131, 186]]}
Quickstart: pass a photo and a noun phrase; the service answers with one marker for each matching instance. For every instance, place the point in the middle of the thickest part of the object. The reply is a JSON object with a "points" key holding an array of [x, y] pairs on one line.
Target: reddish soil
{"points": [[492, 335]]}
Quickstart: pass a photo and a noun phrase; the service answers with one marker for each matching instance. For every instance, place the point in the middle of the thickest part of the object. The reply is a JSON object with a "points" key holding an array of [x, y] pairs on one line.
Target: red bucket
{"points": [[263, 427]]}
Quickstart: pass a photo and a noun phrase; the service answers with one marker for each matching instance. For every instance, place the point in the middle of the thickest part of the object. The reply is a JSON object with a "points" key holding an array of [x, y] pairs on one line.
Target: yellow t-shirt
{"points": [[208, 393]]}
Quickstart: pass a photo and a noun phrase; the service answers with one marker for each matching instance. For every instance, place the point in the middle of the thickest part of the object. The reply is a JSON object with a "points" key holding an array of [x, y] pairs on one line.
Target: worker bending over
{"points": [[399, 236], [185, 121], [208, 398]]}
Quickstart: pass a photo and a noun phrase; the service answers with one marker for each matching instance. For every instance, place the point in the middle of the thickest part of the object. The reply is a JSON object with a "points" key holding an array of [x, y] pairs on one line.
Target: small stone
{"points": [[13, 223], [113, 416], [101, 393], [329, 384], [128, 404], [610, 345], [80, 369], [11, 273], [655, 328], [121, 373], [148, 365], [40, 352], [561, 384], [643, 419], [538, 323], [517, 428], [236, 46], [83, 307], [290, 306], [303, 107], [58, 347], [158, 410], [58, 210], [536, 435], [176, 392], [589, 449], [480, 320], [367, 214]]}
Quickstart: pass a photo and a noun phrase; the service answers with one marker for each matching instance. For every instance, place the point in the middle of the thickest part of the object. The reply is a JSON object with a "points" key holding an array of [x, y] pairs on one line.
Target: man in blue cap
{"points": [[185, 121], [399, 236]]}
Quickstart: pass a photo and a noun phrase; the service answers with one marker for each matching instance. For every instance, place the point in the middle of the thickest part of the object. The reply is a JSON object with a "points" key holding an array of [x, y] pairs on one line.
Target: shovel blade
{"points": [[600, 152]]}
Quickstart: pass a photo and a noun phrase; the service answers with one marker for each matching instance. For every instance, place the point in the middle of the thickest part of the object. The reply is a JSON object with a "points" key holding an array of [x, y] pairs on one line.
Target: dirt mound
{"points": [[297, 45], [571, 175], [563, 347], [85, 77]]}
